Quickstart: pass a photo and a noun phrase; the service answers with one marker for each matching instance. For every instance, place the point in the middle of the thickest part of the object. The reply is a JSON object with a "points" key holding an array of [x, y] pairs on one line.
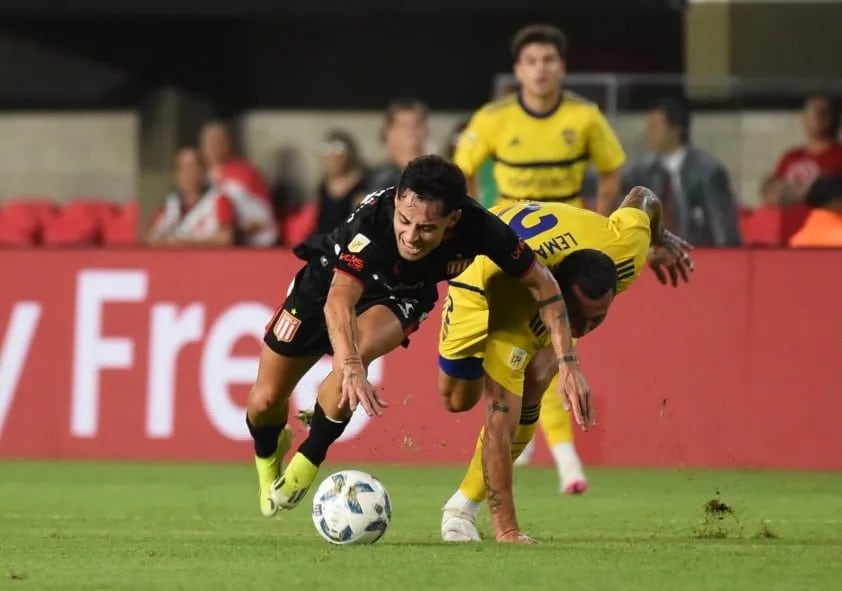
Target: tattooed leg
{"points": [[501, 418]]}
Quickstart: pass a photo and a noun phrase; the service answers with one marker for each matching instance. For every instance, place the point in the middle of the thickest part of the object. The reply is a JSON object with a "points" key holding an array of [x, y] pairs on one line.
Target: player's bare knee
{"points": [[372, 347], [543, 365], [263, 399], [459, 395], [532, 394], [538, 376], [457, 404]]}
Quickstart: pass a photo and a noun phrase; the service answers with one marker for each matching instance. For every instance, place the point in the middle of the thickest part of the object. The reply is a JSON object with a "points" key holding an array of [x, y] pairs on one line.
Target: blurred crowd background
{"points": [[257, 123]]}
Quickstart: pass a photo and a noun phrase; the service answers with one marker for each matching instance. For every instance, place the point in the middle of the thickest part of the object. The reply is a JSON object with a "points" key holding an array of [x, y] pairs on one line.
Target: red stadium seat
{"points": [[27, 215], [762, 227], [12, 233], [75, 225], [96, 207], [80, 222], [120, 229], [792, 218]]}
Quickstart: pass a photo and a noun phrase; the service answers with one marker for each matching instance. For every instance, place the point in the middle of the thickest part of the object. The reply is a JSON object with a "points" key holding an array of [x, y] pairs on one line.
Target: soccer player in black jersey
{"points": [[364, 288]]}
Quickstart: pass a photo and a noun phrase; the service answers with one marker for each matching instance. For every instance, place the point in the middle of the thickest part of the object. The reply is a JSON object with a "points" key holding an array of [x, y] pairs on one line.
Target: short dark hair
{"points": [[399, 105], [433, 178], [677, 115], [540, 33], [592, 270]]}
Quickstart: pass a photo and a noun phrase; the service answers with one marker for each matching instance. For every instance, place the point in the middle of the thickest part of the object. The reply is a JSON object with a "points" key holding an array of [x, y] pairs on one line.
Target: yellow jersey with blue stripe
{"points": [[554, 230], [491, 320], [540, 157]]}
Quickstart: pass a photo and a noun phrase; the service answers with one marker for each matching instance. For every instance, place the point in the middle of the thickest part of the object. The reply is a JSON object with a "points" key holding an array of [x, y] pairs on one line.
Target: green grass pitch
{"points": [[196, 526]]}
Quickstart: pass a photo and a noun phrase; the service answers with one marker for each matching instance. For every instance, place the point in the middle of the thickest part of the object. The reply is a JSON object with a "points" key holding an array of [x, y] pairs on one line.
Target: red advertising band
{"points": [[146, 355]]}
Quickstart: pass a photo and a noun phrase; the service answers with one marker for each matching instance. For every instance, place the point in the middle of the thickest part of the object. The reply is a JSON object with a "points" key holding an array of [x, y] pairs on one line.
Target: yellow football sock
{"points": [[556, 423], [525, 431], [473, 484], [299, 474]]}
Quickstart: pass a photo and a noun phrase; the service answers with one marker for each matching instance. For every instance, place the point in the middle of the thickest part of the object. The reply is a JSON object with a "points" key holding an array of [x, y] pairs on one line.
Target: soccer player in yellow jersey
{"points": [[491, 342], [542, 138]]}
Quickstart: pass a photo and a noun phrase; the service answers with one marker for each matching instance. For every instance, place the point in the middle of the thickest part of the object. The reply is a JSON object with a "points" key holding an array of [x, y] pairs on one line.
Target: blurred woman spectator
{"points": [[242, 182], [195, 214], [344, 180]]}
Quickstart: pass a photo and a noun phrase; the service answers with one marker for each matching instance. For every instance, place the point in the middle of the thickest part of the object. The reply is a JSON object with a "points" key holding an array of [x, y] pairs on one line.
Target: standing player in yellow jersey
{"points": [[491, 342], [542, 140]]}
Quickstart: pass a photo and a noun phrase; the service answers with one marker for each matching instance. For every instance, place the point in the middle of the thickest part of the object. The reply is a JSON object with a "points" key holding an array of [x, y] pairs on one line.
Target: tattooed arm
{"points": [[644, 199], [501, 418], [668, 254], [341, 320], [544, 288], [573, 386]]}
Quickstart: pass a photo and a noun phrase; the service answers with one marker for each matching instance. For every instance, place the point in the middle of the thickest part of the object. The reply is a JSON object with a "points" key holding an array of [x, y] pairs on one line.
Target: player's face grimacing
{"points": [[540, 69], [419, 225], [585, 313]]}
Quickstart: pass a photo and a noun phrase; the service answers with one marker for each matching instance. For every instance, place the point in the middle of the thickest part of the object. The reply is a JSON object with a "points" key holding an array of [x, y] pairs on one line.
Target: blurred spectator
{"points": [[821, 153], [824, 222], [242, 182], [694, 187], [343, 182], [194, 214], [404, 135]]}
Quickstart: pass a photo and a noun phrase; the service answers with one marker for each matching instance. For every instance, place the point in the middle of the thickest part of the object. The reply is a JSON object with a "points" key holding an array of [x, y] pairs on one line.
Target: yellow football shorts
{"points": [[468, 347]]}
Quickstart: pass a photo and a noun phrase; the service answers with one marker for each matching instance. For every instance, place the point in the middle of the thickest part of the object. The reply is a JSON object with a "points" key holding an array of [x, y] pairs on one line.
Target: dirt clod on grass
{"points": [[720, 520]]}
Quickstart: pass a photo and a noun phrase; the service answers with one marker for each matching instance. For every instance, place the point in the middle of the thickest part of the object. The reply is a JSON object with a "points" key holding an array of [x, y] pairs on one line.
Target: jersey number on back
{"points": [[542, 224]]}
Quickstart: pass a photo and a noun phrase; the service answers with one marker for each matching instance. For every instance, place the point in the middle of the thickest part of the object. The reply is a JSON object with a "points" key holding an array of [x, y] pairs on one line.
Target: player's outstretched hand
{"points": [[671, 257], [356, 389], [515, 536], [576, 394]]}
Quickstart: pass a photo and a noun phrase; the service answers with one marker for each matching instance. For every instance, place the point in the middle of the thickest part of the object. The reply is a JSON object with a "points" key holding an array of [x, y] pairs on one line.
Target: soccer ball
{"points": [[351, 507]]}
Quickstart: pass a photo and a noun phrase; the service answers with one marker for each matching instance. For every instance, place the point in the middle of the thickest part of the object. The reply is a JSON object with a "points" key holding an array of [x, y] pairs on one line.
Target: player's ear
{"points": [[453, 217]]}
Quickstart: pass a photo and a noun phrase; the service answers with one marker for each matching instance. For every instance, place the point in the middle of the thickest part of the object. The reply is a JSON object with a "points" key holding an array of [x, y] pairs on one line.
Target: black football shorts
{"points": [[298, 328]]}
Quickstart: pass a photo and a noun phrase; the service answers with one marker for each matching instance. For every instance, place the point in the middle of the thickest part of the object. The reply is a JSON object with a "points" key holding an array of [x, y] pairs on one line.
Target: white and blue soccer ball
{"points": [[351, 507]]}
